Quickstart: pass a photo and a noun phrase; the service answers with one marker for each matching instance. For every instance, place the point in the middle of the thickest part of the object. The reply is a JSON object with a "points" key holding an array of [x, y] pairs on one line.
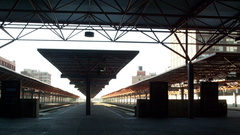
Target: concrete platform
{"points": [[109, 121]]}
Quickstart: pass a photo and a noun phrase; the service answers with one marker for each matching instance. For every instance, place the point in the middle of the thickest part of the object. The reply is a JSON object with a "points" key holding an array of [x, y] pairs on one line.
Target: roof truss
{"points": [[118, 21]]}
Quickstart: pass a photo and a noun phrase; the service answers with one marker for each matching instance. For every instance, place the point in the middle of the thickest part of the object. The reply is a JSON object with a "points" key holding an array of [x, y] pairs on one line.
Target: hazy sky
{"points": [[153, 58]]}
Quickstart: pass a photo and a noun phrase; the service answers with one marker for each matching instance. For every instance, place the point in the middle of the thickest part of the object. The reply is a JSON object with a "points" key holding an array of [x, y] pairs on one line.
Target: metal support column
{"points": [[58, 98], [135, 99], [44, 100], [235, 98], [39, 96], [23, 92], [130, 98], [182, 93], [190, 91], [126, 99], [32, 94], [55, 98], [88, 96], [120, 99]]}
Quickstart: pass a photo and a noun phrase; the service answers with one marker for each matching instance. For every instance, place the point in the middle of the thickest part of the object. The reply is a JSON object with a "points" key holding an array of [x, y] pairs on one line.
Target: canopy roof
{"points": [[113, 19], [31, 83], [214, 67], [99, 65], [161, 14]]}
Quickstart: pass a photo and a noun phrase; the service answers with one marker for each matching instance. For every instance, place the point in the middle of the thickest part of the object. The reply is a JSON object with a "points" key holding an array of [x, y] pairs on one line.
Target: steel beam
{"points": [[85, 76]]}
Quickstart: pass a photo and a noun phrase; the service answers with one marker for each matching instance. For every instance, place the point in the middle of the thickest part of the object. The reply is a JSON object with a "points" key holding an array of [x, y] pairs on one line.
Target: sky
{"points": [[154, 58]]}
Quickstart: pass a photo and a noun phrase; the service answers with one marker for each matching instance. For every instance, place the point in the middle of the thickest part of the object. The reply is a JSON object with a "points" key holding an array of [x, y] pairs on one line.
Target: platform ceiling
{"points": [[32, 83], [113, 19], [161, 14], [99, 65], [215, 67]]}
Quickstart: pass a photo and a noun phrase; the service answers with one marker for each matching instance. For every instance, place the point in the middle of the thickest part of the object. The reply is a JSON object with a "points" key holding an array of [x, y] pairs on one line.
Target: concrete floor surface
{"points": [[105, 120]]}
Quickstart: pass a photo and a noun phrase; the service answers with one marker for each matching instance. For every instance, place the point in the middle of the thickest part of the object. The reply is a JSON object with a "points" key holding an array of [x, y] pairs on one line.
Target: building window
{"points": [[217, 48], [231, 49], [230, 41]]}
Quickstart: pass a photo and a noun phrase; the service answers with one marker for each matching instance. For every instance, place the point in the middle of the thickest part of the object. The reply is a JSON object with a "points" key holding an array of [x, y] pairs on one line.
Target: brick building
{"points": [[141, 75], [7, 63]]}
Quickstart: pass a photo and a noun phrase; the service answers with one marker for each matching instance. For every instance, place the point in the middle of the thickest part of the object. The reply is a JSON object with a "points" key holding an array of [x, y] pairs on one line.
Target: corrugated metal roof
{"points": [[32, 83], [216, 66], [100, 65], [161, 14]]}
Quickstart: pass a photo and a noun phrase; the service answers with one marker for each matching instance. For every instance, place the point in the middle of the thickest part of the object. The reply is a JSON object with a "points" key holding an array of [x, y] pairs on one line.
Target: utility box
{"points": [[10, 98], [30, 107], [143, 108], [12, 106], [159, 99], [209, 98]]}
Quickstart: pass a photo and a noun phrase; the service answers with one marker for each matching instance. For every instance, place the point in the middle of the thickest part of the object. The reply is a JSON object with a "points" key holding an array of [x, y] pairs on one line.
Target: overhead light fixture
{"points": [[237, 39], [89, 34], [102, 69]]}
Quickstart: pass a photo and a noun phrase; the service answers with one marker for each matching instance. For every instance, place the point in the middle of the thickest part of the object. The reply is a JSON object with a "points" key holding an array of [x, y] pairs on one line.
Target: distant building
{"points": [[8, 64], [141, 75], [225, 45], [176, 60], [42, 76]]}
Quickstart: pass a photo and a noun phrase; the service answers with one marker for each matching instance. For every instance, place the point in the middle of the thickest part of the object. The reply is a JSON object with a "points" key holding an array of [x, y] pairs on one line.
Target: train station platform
{"points": [[106, 120]]}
